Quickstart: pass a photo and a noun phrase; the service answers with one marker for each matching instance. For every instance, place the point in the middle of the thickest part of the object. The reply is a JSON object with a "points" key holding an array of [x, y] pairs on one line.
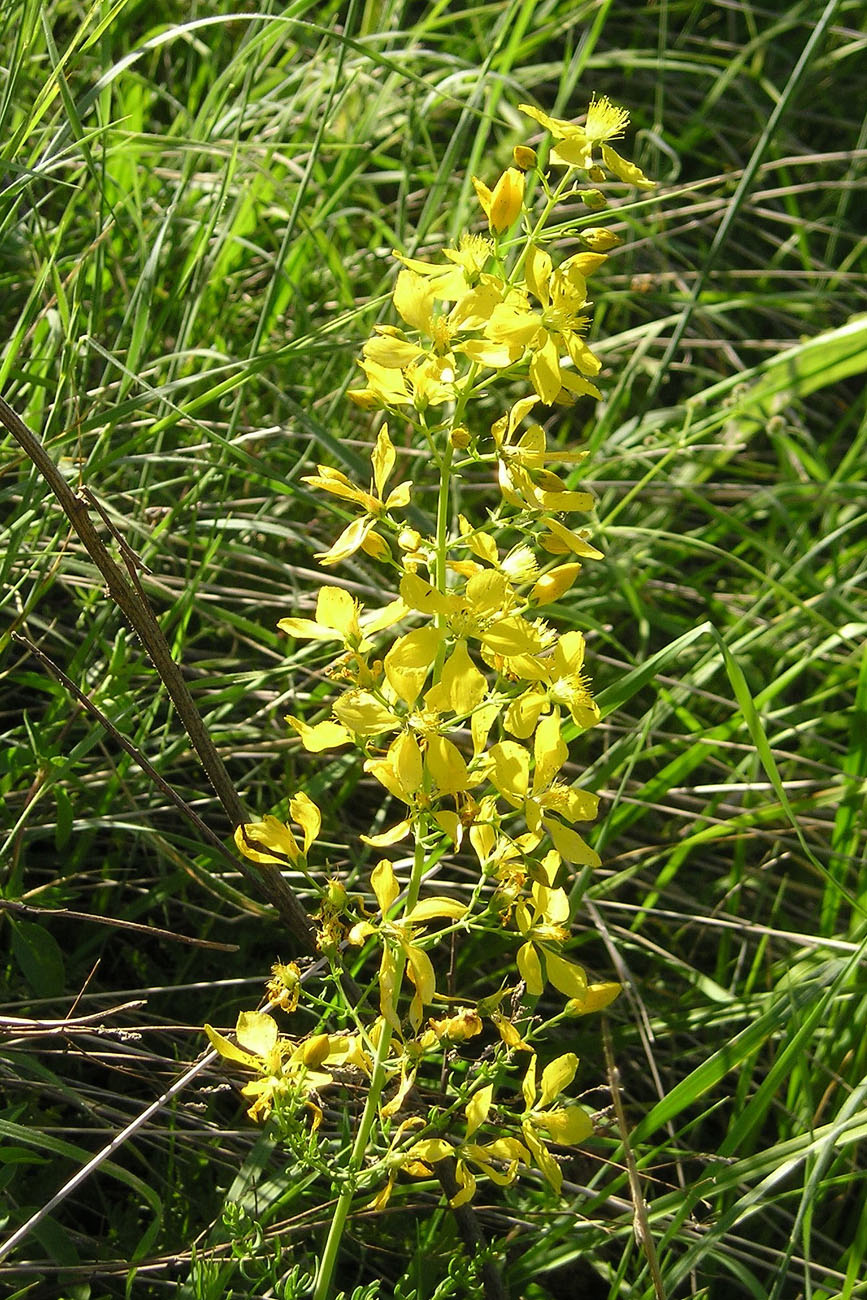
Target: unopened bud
{"points": [[596, 174], [409, 539], [315, 1050], [376, 547], [524, 157], [599, 239], [593, 199], [335, 893], [460, 438]]}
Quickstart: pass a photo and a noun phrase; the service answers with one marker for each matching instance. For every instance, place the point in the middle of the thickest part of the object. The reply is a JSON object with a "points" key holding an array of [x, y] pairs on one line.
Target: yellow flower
{"points": [[564, 1125], [461, 1025], [339, 617], [599, 239], [524, 480], [283, 1067], [284, 986], [542, 922], [487, 1157], [559, 681], [270, 842], [509, 765], [482, 612], [374, 502], [398, 946], [550, 332], [605, 121]]}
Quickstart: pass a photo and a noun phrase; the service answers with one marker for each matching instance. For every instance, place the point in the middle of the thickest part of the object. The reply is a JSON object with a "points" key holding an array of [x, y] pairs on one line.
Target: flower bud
{"points": [[409, 539], [593, 199], [376, 547], [524, 157], [599, 239], [460, 438], [315, 1050], [335, 894], [596, 174], [502, 204]]}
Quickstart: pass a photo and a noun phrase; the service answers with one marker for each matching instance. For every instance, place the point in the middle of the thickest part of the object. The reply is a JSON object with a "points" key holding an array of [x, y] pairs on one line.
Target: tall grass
{"points": [[196, 219]]}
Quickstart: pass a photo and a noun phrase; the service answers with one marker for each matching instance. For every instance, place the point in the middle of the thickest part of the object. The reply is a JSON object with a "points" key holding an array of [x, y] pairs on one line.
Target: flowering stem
{"points": [[328, 1261]]}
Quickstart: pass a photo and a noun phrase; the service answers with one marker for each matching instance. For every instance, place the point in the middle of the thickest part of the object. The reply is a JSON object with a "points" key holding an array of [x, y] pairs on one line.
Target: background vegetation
{"points": [[197, 209]]}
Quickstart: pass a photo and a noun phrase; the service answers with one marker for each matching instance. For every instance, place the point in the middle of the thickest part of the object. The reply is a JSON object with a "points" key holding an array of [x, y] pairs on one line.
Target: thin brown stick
{"points": [[138, 613], [67, 914], [641, 1220]]}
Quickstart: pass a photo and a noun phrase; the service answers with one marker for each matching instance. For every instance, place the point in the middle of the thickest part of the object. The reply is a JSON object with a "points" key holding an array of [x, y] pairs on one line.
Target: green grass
{"points": [[196, 223]]}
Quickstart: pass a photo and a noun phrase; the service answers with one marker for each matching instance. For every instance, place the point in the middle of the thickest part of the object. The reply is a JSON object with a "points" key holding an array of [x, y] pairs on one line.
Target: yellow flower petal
{"points": [[385, 884], [569, 844], [409, 660], [462, 686], [623, 170], [596, 997], [364, 715], [530, 969], [550, 751], [229, 1050], [446, 765], [322, 735], [429, 908], [256, 1032], [392, 836], [511, 770], [478, 1107], [349, 541], [308, 817]]}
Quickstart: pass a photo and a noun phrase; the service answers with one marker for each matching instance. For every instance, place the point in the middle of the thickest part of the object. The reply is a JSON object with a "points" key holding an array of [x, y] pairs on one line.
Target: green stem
{"points": [[327, 1264]]}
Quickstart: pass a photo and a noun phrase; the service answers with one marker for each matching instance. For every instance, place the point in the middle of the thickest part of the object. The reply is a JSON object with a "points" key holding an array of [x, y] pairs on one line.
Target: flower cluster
{"points": [[456, 690]]}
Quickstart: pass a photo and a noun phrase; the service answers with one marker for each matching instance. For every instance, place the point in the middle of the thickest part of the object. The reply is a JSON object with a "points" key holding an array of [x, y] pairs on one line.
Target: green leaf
{"points": [[38, 955]]}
